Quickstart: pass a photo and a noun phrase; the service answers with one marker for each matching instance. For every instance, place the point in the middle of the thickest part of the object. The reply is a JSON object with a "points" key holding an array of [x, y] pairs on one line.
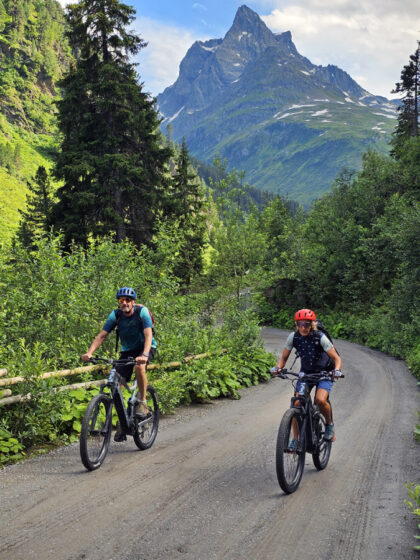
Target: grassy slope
{"points": [[294, 155], [34, 151]]}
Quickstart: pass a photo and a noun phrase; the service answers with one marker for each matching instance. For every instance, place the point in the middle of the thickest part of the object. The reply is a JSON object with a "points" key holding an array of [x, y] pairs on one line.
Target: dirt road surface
{"points": [[207, 489]]}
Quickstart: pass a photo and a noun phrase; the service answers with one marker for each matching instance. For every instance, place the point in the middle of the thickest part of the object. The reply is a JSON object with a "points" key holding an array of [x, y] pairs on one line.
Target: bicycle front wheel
{"points": [[96, 432], [290, 451], [321, 455], [146, 429]]}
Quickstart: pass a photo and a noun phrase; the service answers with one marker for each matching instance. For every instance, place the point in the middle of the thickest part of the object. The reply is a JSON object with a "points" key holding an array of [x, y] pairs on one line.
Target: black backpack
{"points": [[137, 310], [318, 333], [320, 327]]}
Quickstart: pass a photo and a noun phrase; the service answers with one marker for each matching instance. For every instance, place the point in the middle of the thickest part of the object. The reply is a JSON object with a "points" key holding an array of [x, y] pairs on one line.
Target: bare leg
{"points": [[321, 397], [141, 378]]}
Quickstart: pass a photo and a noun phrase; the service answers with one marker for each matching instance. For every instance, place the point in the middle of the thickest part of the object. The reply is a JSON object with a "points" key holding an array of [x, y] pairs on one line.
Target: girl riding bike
{"points": [[317, 353]]}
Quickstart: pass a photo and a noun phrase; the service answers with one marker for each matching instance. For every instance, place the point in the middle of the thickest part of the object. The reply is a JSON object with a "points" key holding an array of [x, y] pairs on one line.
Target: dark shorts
{"points": [[127, 371]]}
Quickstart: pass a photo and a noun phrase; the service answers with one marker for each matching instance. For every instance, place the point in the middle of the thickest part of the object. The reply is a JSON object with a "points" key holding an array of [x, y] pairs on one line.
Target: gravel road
{"points": [[207, 489]]}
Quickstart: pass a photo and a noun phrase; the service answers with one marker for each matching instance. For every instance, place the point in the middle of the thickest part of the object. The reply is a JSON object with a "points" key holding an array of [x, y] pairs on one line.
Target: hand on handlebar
{"points": [[337, 373], [141, 360], [276, 371], [86, 357]]}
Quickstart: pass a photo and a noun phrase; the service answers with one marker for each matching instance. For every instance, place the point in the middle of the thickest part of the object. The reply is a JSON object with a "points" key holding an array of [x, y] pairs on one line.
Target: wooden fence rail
{"points": [[77, 371]]}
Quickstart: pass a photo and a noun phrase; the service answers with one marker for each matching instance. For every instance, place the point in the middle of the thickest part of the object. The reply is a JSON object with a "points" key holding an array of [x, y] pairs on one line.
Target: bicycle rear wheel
{"points": [[96, 432], [321, 455], [290, 451], [146, 430]]}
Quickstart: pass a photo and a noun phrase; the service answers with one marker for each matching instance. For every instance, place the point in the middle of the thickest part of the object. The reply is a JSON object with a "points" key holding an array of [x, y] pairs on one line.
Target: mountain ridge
{"points": [[253, 99]]}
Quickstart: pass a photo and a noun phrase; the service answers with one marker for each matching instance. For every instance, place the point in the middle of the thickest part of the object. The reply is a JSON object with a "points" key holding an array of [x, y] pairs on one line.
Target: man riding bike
{"points": [[135, 329], [317, 353]]}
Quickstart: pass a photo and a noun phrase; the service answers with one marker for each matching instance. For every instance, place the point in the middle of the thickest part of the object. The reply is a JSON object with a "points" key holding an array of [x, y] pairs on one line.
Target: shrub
{"points": [[413, 503]]}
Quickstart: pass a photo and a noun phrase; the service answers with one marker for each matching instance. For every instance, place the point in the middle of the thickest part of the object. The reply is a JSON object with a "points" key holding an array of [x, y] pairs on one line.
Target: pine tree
{"points": [[111, 161], [187, 206], [408, 112], [34, 219]]}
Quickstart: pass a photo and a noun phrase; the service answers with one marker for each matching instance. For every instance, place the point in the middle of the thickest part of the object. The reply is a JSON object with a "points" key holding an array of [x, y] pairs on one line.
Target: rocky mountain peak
{"points": [[254, 99], [247, 29], [246, 20]]}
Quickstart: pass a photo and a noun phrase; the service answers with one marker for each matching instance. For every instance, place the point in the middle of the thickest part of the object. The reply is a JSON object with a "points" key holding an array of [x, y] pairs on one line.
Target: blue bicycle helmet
{"points": [[126, 292]]}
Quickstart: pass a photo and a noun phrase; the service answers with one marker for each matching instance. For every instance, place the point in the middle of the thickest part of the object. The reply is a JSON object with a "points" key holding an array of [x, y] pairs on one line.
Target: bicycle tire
{"points": [[290, 460], [96, 432], [145, 434], [322, 452]]}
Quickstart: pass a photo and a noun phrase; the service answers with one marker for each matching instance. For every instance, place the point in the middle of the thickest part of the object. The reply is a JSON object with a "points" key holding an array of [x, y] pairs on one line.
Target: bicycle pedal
{"points": [[142, 415]]}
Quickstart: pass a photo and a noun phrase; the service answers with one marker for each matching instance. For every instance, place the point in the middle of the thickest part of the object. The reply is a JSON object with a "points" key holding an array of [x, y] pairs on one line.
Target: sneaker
{"points": [[292, 445], [119, 434], [141, 408], [329, 432]]}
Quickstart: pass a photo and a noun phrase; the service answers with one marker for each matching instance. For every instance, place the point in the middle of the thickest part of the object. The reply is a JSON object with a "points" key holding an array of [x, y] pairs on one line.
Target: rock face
{"points": [[291, 125]]}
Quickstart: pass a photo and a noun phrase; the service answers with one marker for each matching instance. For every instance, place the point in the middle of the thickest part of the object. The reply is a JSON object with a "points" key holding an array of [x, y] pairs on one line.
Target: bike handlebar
{"points": [[316, 376], [122, 362]]}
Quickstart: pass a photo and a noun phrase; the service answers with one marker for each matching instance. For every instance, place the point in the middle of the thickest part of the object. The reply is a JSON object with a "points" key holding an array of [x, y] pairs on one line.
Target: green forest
{"points": [[106, 200]]}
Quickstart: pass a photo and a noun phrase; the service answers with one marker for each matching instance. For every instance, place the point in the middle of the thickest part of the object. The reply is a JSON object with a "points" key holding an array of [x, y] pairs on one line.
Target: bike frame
{"points": [[306, 408], [125, 417]]}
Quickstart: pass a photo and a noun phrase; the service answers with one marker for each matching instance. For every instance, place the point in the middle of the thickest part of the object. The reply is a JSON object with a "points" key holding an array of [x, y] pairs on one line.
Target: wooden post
{"points": [[11, 399]]}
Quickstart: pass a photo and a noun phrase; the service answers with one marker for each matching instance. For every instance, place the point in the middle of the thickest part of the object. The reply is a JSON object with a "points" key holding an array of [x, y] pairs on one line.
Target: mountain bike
{"points": [[301, 431], [97, 422]]}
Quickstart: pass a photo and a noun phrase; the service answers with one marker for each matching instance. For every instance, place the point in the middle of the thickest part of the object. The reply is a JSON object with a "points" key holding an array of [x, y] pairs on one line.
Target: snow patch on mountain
{"points": [[384, 115], [321, 112]]}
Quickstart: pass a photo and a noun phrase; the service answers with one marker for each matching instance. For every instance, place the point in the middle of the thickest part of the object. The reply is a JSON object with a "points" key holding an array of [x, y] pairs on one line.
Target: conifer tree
{"points": [[111, 161], [408, 112], [34, 219], [187, 205]]}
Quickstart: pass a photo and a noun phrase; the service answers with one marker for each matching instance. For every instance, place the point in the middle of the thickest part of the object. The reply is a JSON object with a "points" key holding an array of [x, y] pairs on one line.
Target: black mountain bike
{"points": [[301, 431], [97, 422]]}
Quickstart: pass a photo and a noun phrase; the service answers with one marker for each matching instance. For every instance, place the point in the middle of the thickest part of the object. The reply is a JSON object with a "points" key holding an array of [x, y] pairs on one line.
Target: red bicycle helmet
{"points": [[305, 314]]}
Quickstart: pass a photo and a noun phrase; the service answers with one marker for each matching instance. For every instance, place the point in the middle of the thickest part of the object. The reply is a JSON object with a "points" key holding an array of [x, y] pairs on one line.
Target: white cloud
{"points": [[159, 61], [198, 6], [371, 40]]}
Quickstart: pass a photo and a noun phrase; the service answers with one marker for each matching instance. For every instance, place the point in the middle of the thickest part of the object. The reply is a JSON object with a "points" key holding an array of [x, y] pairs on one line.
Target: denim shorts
{"points": [[324, 384]]}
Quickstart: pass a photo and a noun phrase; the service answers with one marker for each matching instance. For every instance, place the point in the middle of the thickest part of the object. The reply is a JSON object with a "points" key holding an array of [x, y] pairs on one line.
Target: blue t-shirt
{"points": [[131, 329]]}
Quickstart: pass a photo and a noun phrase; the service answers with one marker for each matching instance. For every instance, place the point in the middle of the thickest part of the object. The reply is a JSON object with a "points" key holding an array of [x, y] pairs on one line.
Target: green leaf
{"points": [[77, 425]]}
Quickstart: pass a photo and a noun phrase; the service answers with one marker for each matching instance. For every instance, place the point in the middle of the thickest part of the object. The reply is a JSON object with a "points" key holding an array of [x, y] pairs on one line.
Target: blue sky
{"points": [[207, 16], [371, 40]]}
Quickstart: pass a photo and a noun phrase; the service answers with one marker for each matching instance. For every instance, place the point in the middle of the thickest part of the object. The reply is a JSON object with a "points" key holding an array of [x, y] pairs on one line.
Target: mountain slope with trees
{"points": [[289, 124], [33, 54]]}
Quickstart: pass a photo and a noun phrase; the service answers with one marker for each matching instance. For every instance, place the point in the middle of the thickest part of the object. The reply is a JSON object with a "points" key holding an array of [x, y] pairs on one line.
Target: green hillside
{"points": [[33, 55], [21, 153]]}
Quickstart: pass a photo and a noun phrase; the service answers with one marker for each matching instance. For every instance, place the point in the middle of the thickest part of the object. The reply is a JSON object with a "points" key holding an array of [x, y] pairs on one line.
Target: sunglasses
{"points": [[124, 299], [305, 324]]}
